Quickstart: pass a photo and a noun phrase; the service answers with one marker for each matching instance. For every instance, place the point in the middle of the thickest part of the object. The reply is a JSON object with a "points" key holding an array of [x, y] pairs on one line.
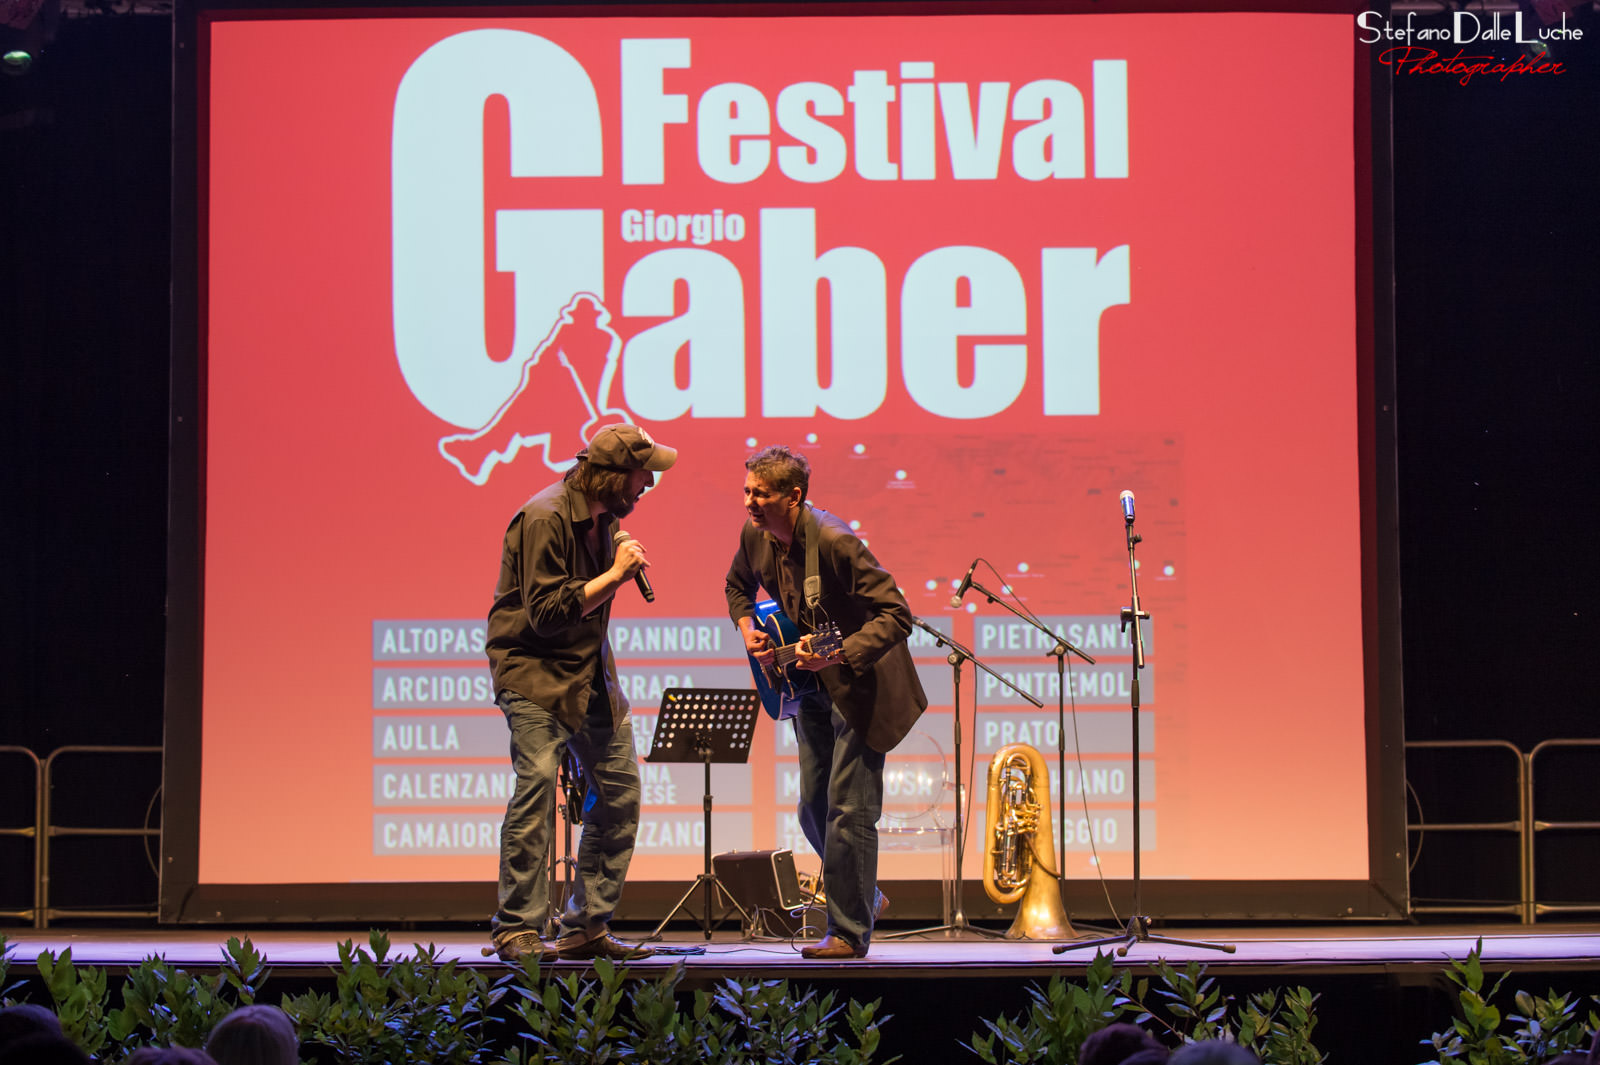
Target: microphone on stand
{"points": [[1127, 506], [639, 578], [966, 583]]}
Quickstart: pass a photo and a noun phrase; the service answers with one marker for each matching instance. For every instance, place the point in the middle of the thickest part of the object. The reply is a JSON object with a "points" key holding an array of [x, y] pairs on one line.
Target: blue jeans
{"points": [[610, 820], [841, 799]]}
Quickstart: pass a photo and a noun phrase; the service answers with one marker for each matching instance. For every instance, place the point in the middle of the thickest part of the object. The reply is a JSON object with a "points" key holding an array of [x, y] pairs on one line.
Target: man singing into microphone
{"points": [[870, 693], [555, 679]]}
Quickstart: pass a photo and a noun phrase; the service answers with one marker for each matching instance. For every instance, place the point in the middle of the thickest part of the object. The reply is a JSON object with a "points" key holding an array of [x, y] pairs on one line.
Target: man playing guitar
{"points": [[820, 573]]}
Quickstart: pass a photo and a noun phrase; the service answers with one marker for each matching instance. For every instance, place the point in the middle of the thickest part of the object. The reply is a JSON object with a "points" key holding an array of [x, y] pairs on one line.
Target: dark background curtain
{"points": [[1495, 234]]}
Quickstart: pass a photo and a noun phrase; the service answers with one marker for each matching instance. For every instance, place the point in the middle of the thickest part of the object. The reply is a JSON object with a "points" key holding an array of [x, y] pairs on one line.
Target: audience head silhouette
{"points": [[254, 1035], [1117, 1044], [1213, 1052]]}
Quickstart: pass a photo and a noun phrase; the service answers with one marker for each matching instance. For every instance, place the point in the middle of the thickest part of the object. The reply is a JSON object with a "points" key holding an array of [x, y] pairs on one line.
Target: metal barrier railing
{"points": [[28, 832], [1538, 826], [1525, 826], [1523, 907], [47, 832]]}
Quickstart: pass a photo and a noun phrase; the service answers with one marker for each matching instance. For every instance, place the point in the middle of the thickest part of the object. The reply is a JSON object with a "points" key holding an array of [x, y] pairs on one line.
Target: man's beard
{"points": [[618, 504]]}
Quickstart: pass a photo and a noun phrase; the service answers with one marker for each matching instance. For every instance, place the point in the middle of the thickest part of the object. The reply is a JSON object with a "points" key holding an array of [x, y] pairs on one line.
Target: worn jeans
{"points": [[610, 818], [841, 799]]}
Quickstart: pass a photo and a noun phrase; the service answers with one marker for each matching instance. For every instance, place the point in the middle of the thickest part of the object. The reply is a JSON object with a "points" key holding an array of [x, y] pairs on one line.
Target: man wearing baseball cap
{"points": [[555, 680]]}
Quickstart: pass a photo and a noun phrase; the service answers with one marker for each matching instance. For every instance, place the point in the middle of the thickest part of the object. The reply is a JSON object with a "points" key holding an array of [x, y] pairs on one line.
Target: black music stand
{"points": [[705, 725]]}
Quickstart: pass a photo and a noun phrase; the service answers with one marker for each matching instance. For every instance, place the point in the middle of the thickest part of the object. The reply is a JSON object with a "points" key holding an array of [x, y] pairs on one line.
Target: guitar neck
{"points": [[788, 652]]}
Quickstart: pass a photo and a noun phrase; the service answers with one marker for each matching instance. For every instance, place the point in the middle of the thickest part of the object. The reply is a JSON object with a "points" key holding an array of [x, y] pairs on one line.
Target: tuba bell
{"points": [[1019, 863]]}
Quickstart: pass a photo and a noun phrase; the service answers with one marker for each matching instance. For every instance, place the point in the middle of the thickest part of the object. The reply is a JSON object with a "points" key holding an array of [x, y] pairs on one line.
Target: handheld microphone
{"points": [[966, 583], [1127, 506], [639, 578]]}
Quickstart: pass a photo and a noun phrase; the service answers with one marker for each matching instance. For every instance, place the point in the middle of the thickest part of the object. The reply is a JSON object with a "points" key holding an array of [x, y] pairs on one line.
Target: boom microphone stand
{"points": [[1138, 928], [959, 655], [1059, 652]]}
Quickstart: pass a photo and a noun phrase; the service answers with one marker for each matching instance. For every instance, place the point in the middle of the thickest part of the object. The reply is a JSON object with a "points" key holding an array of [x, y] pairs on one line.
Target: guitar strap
{"points": [[813, 584]]}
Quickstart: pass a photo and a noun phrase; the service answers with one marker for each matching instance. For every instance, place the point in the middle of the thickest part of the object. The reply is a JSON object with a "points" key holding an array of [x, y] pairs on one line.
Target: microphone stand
{"points": [[1059, 653], [1138, 927], [959, 654]]}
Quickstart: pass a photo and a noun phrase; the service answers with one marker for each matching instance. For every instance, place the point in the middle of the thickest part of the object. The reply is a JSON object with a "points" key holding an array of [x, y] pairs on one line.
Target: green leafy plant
{"points": [[1274, 1025], [1188, 1007], [864, 1022], [407, 1009], [1193, 1002], [779, 1024], [449, 1007], [571, 1018], [80, 998], [662, 1034], [163, 1006], [362, 1022], [166, 1006], [5, 972], [607, 1015], [1549, 1026], [1544, 1027], [244, 969], [1061, 1015], [6, 990], [1277, 1026]]}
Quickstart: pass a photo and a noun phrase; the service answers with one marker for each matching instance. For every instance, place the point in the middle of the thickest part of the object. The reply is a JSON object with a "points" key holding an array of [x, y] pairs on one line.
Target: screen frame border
{"points": [[1383, 894]]}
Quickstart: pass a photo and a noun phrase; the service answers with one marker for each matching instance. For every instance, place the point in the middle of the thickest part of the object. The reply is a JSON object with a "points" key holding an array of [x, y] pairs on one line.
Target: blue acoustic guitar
{"points": [[782, 687]]}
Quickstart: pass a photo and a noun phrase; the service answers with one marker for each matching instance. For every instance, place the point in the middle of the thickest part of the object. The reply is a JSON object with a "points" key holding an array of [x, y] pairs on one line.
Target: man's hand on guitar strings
{"points": [[804, 659], [759, 646]]}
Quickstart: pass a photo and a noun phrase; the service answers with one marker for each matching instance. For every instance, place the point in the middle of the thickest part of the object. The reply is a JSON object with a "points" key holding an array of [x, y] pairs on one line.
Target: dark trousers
{"points": [[841, 799], [610, 820]]}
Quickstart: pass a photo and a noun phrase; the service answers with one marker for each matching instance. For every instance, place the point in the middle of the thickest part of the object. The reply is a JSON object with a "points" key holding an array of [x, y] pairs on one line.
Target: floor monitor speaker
{"points": [[764, 880]]}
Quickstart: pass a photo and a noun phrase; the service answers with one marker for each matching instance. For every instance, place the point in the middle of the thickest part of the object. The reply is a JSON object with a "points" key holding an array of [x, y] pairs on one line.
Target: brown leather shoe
{"points": [[832, 946], [515, 948], [601, 946]]}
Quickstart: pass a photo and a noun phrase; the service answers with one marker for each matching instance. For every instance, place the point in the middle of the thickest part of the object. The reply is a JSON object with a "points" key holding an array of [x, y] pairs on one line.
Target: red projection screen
{"points": [[987, 269]]}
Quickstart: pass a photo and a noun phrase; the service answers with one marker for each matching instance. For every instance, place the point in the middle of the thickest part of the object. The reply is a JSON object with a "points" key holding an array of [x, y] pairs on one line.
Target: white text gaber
{"points": [[692, 303]]}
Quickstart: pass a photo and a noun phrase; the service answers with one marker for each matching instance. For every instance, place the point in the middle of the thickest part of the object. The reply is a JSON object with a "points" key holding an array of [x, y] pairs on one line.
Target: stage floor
{"points": [[1338, 949]]}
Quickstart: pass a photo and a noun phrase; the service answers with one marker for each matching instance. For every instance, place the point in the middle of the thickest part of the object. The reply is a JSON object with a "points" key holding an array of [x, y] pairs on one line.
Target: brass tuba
{"points": [[1019, 863]]}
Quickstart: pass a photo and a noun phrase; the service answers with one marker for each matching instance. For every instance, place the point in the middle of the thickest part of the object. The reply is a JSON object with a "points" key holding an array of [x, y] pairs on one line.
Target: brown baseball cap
{"points": [[628, 447]]}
